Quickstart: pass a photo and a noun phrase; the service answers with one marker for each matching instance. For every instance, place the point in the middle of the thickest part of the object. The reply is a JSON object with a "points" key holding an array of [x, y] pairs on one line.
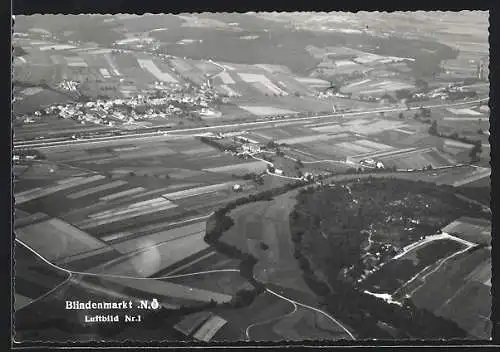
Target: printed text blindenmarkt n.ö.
{"points": [[121, 305]]}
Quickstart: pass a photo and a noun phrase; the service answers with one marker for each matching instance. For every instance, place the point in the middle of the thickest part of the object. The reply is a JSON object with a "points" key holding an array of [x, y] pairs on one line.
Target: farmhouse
{"points": [[251, 148]]}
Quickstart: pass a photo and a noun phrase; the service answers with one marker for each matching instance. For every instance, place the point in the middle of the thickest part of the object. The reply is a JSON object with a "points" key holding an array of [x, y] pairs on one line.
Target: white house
{"points": [[251, 148]]}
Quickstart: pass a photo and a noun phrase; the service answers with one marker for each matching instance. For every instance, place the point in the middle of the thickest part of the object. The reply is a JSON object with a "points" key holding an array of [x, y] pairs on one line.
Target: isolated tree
{"points": [[299, 163], [421, 84], [475, 151], [401, 116], [434, 128]]}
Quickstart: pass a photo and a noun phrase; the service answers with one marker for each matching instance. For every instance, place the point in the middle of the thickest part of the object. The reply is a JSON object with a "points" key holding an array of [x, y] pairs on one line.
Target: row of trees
{"points": [[214, 143]]}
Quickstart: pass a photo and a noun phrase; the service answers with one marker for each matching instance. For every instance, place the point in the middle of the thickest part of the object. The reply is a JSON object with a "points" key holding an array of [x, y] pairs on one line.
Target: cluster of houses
{"points": [[140, 107], [449, 92], [71, 86]]}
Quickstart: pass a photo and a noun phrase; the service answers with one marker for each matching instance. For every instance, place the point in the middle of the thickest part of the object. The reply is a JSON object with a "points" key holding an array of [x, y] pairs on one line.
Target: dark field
{"points": [[457, 295], [397, 272]]}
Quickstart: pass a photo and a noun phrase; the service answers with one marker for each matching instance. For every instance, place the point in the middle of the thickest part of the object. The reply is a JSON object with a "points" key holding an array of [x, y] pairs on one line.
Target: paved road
{"points": [[274, 123]]}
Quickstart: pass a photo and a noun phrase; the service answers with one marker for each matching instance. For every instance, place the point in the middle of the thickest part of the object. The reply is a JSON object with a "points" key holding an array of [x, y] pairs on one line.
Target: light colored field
{"points": [[357, 122], [403, 131], [265, 89], [112, 65], [126, 215], [75, 61], [312, 81], [457, 144], [121, 194], [104, 72], [373, 145], [156, 257], [355, 84], [462, 118], [259, 78], [130, 208], [54, 239], [127, 40], [126, 149], [19, 60], [22, 301], [145, 152], [40, 42], [160, 237], [169, 289], [31, 91], [56, 47], [198, 191], [226, 78], [254, 166], [185, 173], [376, 127], [209, 328], [464, 112], [412, 161], [266, 110], [469, 231], [314, 138], [36, 193], [99, 51], [181, 65], [199, 151], [393, 153], [150, 66], [230, 91], [478, 174], [352, 148], [97, 189], [330, 129]]}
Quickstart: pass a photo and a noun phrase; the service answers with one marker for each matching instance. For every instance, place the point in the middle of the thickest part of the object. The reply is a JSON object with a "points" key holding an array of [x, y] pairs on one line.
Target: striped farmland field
{"points": [[122, 194], [330, 129], [160, 237], [128, 212], [226, 78], [353, 148], [209, 328], [313, 138], [373, 145], [97, 189], [36, 193], [253, 166], [198, 190], [150, 66], [155, 257], [192, 322], [478, 174]]}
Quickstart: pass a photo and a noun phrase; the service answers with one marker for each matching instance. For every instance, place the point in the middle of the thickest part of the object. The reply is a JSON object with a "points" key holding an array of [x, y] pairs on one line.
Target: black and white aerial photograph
{"points": [[251, 177]]}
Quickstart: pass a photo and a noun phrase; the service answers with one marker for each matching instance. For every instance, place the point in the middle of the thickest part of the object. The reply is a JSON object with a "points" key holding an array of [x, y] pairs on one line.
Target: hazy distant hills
{"points": [[219, 36]]}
